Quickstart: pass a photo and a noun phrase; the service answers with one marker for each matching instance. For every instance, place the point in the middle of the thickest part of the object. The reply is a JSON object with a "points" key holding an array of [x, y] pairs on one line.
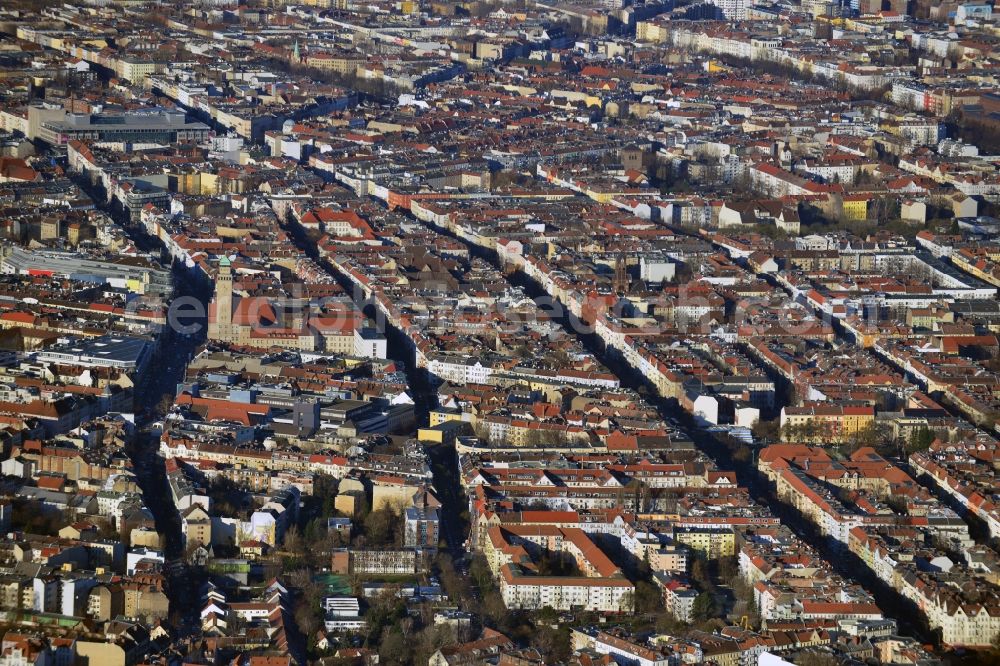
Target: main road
{"points": [[444, 464], [845, 563], [157, 387]]}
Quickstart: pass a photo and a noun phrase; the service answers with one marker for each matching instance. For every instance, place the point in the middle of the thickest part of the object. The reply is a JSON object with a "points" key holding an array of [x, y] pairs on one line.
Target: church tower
{"points": [[621, 280]]}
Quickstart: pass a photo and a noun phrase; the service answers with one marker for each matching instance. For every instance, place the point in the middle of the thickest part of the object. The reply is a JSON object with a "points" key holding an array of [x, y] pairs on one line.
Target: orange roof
{"points": [[254, 311]]}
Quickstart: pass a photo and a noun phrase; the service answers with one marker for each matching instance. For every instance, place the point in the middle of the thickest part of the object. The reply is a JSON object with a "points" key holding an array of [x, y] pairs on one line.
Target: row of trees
{"points": [[707, 576], [377, 88], [531, 439], [32, 517], [877, 435], [976, 128], [785, 71], [478, 593]]}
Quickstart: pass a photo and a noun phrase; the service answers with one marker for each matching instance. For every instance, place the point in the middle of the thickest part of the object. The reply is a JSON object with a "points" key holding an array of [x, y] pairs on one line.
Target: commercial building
{"points": [[137, 275], [106, 351], [160, 126]]}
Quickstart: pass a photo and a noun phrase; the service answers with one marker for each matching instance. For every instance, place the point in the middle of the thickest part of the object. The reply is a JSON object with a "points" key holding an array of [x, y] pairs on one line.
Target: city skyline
{"points": [[511, 333]]}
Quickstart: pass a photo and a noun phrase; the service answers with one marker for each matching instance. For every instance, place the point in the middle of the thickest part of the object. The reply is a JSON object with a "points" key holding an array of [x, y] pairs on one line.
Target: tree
{"points": [[325, 488], [384, 527], [920, 440], [728, 569], [745, 602], [306, 619], [293, 542], [431, 639], [897, 503], [699, 572], [704, 607], [742, 454], [533, 439], [793, 433], [107, 530], [191, 550], [647, 598], [556, 563], [165, 404], [813, 658], [480, 572], [766, 431], [308, 600], [482, 432], [552, 643], [667, 623], [876, 434], [393, 648], [455, 586], [494, 610]]}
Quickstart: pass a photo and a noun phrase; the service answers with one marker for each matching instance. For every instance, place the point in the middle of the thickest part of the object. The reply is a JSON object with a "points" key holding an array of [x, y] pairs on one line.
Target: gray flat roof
{"points": [[155, 120], [115, 349]]}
